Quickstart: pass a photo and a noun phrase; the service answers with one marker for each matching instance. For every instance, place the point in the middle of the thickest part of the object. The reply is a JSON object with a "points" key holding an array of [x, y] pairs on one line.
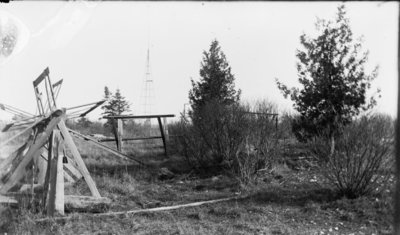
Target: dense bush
{"points": [[362, 157], [229, 136]]}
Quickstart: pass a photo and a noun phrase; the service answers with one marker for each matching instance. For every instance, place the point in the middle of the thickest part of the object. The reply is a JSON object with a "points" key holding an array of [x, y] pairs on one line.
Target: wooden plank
{"points": [[86, 204], [104, 147], [78, 159], [72, 170], [7, 200], [92, 108], [40, 140], [56, 185], [138, 116], [162, 135], [49, 156], [164, 208], [128, 139]]}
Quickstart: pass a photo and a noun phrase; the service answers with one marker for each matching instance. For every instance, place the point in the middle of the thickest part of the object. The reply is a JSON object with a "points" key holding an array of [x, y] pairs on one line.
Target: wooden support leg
{"points": [[69, 143], [162, 135], [115, 130], [120, 132], [166, 129], [56, 180]]}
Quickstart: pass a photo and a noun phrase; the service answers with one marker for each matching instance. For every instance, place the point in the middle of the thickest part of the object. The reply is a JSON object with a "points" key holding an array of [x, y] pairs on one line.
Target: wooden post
{"points": [[162, 135], [56, 180], [166, 129], [120, 132], [69, 143]]}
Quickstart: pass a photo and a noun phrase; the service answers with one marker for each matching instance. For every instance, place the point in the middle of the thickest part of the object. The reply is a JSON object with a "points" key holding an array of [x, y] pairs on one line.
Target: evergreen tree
{"points": [[334, 82], [115, 104], [216, 83]]}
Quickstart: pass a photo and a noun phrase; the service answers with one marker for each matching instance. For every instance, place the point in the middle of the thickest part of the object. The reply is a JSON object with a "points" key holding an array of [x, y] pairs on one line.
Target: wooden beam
{"points": [[40, 140], [164, 208], [20, 133], [166, 132], [104, 147], [138, 116], [162, 135], [8, 166], [70, 168], [7, 200], [56, 182], [69, 143], [128, 139], [41, 77], [92, 108]]}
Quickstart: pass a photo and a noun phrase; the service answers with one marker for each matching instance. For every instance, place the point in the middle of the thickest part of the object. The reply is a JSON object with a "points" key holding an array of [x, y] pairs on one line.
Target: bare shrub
{"points": [[230, 136], [362, 155]]}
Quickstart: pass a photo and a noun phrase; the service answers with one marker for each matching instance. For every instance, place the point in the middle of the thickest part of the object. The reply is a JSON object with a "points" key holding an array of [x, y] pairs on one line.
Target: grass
{"points": [[284, 201]]}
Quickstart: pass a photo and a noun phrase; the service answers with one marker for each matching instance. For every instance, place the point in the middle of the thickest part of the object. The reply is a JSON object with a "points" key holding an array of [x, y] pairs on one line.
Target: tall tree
{"points": [[216, 83], [333, 78]]}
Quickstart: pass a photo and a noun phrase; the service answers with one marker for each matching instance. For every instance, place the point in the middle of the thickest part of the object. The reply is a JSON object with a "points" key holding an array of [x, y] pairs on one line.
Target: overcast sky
{"points": [[95, 44]]}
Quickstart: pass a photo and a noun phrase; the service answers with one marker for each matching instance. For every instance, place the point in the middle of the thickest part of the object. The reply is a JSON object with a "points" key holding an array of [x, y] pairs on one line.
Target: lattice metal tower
{"points": [[148, 95]]}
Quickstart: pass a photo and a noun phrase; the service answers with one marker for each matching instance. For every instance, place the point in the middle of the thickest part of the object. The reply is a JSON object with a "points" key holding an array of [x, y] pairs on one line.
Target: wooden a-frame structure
{"points": [[49, 156]]}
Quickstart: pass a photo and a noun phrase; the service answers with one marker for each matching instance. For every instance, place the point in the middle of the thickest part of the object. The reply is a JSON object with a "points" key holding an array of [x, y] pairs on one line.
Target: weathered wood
{"points": [[162, 135], [92, 108], [104, 147], [166, 132], [129, 139], [20, 133], [120, 132], [69, 143], [86, 203], [41, 165], [33, 150], [138, 116], [28, 187], [165, 208], [56, 181], [8, 166], [41, 77], [7, 200], [70, 168]]}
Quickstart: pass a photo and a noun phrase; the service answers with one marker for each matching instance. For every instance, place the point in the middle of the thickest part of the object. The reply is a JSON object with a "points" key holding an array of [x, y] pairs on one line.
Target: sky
{"points": [[95, 44]]}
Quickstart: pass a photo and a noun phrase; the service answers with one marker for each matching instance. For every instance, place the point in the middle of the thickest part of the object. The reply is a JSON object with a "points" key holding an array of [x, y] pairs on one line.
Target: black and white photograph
{"points": [[199, 117]]}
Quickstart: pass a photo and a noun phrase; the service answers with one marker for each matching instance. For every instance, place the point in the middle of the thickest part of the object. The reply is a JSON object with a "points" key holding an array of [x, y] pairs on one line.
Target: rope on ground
{"points": [[164, 208]]}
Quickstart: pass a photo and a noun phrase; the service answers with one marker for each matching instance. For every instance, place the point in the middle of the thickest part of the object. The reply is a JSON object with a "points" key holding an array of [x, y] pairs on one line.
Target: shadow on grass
{"points": [[293, 197]]}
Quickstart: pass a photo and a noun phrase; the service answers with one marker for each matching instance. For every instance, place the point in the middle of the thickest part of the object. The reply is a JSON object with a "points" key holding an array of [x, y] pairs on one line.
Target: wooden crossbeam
{"points": [[138, 116], [69, 143], [40, 140], [104, 147]]}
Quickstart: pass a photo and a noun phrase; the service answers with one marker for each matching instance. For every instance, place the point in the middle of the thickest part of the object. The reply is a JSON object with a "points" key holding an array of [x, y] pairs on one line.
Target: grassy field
{"points": [[284, 201]]}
